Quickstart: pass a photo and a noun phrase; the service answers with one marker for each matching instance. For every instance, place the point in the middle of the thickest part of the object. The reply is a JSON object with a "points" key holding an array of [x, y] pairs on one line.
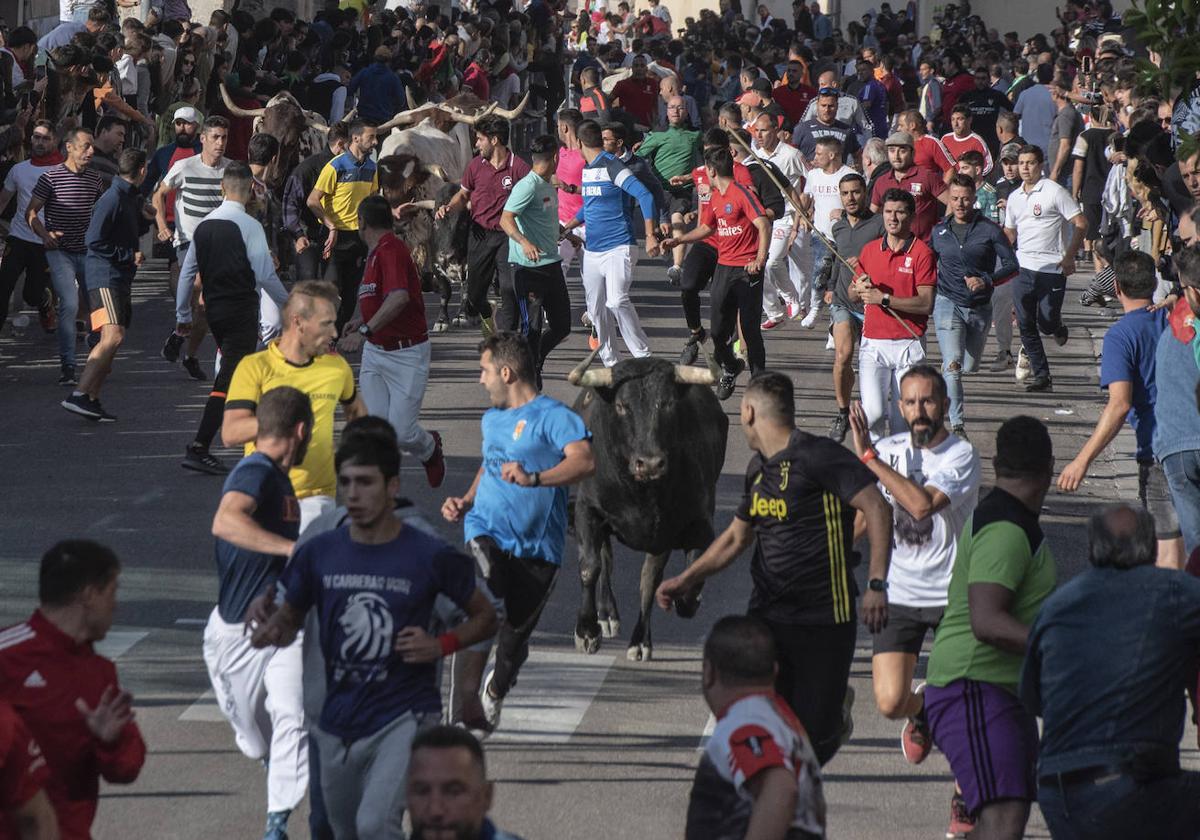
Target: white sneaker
{"points": [[491, 706], [810, 320], [795, 310], [1024, 370]]}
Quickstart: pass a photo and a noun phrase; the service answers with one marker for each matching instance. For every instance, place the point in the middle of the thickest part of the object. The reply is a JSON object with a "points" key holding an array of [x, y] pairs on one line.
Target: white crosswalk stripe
{"points": [[551, 697], [204, 710]]}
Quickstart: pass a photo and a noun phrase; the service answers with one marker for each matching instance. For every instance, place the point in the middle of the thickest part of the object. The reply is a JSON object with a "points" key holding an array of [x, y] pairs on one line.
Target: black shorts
{"points": [[111, 304], [682, 202], [1155, 497], [906, 629], [1092, 211]]}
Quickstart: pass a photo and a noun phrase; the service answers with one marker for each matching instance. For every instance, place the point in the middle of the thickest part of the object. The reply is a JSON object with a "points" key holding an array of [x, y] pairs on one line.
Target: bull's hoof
{"points": [[441, 325], [639, 653], [610, 628], [686, 607], [587, 644]]}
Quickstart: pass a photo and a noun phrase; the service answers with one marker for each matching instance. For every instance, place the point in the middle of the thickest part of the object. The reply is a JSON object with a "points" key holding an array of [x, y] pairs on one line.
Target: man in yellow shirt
{"points": [[299, 358], [342, 185]]}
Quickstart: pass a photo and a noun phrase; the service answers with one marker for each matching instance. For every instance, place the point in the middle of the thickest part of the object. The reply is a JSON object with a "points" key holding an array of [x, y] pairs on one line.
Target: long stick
{"points": [[829, 243]]}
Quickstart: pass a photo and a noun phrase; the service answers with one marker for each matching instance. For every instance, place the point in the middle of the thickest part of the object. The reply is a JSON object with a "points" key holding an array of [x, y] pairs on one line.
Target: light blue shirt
{"points": [[1037, 110]]}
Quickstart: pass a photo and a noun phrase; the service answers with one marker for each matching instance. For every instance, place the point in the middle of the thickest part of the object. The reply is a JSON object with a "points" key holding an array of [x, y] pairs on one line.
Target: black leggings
{"points": [[814, 669], [736, 294], [236, 335], [524, 585], [698, 267], [345, 270], [30, 258], [542, 287]]}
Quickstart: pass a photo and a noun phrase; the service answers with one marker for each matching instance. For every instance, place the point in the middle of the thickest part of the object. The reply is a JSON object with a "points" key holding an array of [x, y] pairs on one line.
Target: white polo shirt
{"points": [[1042, 219], [789, 161]]}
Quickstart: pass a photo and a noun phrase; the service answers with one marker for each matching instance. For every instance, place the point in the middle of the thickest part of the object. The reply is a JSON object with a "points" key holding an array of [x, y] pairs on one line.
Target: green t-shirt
{"points": [[675, 151], [1001, 543], [534, 201]]}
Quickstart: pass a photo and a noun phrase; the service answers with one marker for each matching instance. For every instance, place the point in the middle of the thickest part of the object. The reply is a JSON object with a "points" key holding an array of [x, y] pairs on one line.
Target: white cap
{"points": [[187, 113]]}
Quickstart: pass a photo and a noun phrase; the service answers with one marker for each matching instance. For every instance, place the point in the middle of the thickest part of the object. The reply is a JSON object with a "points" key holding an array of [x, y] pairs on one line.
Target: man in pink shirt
{"points": [[569, 178]]}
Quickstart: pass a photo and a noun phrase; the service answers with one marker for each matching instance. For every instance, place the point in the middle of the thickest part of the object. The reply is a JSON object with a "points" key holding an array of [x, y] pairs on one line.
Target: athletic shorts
{"points": [[840, 314], [111, 305], [989, 739], [1155, 497], [906, 629], [683, 203]]}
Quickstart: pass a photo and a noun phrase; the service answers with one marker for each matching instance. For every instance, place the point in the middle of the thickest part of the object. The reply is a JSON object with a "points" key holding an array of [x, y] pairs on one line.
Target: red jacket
{"points": [[42, 673], [23, 770]]}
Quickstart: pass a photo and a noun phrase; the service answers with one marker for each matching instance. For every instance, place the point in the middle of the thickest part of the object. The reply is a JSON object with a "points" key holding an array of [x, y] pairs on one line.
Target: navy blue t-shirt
{"points": [[1128, 356], [365, 595], [242, 574]]}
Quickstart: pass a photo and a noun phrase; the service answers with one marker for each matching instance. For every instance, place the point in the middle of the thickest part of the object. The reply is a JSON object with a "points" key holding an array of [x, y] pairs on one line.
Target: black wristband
{"points": [[536, 479]]}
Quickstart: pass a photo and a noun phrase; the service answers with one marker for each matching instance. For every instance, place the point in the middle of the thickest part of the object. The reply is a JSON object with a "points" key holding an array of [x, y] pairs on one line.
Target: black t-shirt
{"points": [[799, 505], [769, 194], [1095, 163], [986, 106]]}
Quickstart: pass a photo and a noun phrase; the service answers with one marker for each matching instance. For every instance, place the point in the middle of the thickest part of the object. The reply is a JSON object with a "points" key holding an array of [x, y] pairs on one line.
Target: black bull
{"points": [[659, 435]]}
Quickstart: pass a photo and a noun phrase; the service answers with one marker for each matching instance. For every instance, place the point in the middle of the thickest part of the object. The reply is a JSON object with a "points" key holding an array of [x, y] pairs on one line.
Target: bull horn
{"points": [[237, 111], [713, 367], [576, 375], [513, 113], [350, 116], [601, 378], [469, 119], [690, 375], [324, 129], [412, 103], [435, 170], [405, 118]]}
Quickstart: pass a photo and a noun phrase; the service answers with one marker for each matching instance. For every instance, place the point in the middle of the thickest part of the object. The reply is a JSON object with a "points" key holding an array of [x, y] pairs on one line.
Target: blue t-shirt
{"points": [[605, 212], [1128, 356], [243, 575], [526, 521], [1176, 375], [365, 595]]}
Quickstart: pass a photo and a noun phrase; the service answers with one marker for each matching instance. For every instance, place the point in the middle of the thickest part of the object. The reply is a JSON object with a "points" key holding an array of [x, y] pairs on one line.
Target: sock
{"points": [[210, 422], [77, 393]]}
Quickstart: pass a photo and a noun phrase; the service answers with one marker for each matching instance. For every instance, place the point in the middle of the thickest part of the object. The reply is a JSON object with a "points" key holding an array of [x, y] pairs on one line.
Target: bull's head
{"points": [[286, 121], [645, 407], [447, 113]]}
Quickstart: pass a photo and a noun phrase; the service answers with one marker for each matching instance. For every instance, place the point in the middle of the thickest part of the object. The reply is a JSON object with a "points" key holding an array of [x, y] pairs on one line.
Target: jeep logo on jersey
{"points": [[367, 623]]}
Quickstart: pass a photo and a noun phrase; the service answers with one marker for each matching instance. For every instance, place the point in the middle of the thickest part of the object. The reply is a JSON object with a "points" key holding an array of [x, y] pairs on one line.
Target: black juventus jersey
{"points": [[799, 505]]}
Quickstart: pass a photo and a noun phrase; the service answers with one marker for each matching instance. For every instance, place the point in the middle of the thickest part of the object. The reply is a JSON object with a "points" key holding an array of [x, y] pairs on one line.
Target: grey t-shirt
{"points": [[850, 240], [1067, 126]]}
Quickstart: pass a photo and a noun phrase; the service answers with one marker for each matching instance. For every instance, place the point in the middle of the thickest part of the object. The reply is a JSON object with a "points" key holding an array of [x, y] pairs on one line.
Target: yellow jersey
{"points": [[345, 182], [327, 380]]}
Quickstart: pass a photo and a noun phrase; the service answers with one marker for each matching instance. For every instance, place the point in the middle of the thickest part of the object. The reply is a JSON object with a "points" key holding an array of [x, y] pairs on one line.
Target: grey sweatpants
{"points": [[362, 781]]}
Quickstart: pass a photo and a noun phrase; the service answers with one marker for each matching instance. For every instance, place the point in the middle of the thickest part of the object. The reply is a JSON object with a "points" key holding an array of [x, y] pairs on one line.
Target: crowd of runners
{"points": [[859, 177]]}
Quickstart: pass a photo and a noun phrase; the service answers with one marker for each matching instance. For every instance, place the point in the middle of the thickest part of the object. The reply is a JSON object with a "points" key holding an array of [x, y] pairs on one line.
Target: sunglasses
{"points": [[828, 91]]}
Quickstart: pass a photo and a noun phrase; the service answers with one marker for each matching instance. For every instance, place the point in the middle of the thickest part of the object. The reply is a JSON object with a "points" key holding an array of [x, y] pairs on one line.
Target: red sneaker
{"points": [[435, 467], [593, 340], [916, 741], [961, 823]]}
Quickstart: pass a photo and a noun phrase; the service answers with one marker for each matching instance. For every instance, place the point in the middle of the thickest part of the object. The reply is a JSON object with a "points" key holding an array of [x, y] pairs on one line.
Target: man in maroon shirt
{"points": [[68, 694], [486, 184], [638, 94], [792, 94], [389, 327], [926, 187]]}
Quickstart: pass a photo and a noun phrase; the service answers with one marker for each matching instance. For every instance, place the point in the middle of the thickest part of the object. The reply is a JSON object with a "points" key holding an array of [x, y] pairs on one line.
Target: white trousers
{"points": [[607, 276], [881, 364], [261, 695], [569, 252], [393, 386], [1002, 315], [778, 276], [270, 320]]}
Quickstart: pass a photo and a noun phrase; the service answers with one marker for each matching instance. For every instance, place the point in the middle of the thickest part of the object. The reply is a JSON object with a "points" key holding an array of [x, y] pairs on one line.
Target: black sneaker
{"points": [[728, 381], [1039, 383], [67, 375], [83, 405], [1091, 298], [839, 426], [674, 274], [691, 350], [192, 365], [1061, 335], [172, 346], [199, 459]]}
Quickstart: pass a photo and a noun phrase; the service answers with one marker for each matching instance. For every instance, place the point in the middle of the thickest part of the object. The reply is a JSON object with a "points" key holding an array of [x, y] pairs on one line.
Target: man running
{"points": [[256, 526], [113, 257], [924, 185], [514, 514], [674, 152], [802, 493], [24, 251]]}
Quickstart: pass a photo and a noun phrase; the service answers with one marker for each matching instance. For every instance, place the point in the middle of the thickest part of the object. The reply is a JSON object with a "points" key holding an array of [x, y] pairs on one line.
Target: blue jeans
{"points": [[961, 334], [65, 268], [1038, 298], [819, 253], [1123, 808], [1183, 478]]}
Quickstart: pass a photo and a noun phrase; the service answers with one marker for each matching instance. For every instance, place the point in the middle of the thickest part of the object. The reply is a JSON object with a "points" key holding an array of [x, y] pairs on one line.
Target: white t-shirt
{"points": [[923, 551], [826, 196], [197, 193], [1042, 219], [790, 162], [21, 180]]}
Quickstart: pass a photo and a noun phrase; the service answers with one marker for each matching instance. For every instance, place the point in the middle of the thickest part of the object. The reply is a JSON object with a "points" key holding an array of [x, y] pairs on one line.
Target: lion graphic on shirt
{"points": [[366, 622]]}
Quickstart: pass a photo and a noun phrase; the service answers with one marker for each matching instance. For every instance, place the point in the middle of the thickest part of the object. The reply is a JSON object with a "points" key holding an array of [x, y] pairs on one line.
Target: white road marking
{"points": [[104, 521], [204, 710], [200, 622], [551, 697], [708, 731], [118, 642]]}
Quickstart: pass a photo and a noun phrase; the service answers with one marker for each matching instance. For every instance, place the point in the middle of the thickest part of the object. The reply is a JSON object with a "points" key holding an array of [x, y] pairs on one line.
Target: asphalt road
{"points": [[590, 745]]}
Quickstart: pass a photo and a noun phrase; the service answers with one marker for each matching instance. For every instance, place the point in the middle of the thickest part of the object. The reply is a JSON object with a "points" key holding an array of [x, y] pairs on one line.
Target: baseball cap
{"points": [[1011, 151], [188, 114], [900, 138]]}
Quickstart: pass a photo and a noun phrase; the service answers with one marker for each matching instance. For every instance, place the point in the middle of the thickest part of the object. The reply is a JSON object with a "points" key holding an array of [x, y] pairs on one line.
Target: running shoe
{"points": [[961, 822], [593, 339], [1024, 369], [1002, 362], [66, 375], [840, 426], [192, 365], [674, 275], [728, 381], [916, 742], [277, 825], [795, 310], [171, 347], [491, 705], [771, 324], [1061, 335], [46, 314], [810, 320], [83, 405], [1093, 298], [691, 350], [199, 459], [435, 467]]}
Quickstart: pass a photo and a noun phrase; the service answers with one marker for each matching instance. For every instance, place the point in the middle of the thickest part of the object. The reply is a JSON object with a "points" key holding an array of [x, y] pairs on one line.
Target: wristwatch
{"points": [[887, 301], [877, 585], [365, 331], [535, 479]]}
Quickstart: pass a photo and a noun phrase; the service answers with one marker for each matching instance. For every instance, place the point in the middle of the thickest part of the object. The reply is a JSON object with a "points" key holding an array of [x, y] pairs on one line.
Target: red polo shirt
{"points": [[639, 97], [489, 187], [793, 102], [390, 269], [924, 186], [731, 215], [899, 274]]}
